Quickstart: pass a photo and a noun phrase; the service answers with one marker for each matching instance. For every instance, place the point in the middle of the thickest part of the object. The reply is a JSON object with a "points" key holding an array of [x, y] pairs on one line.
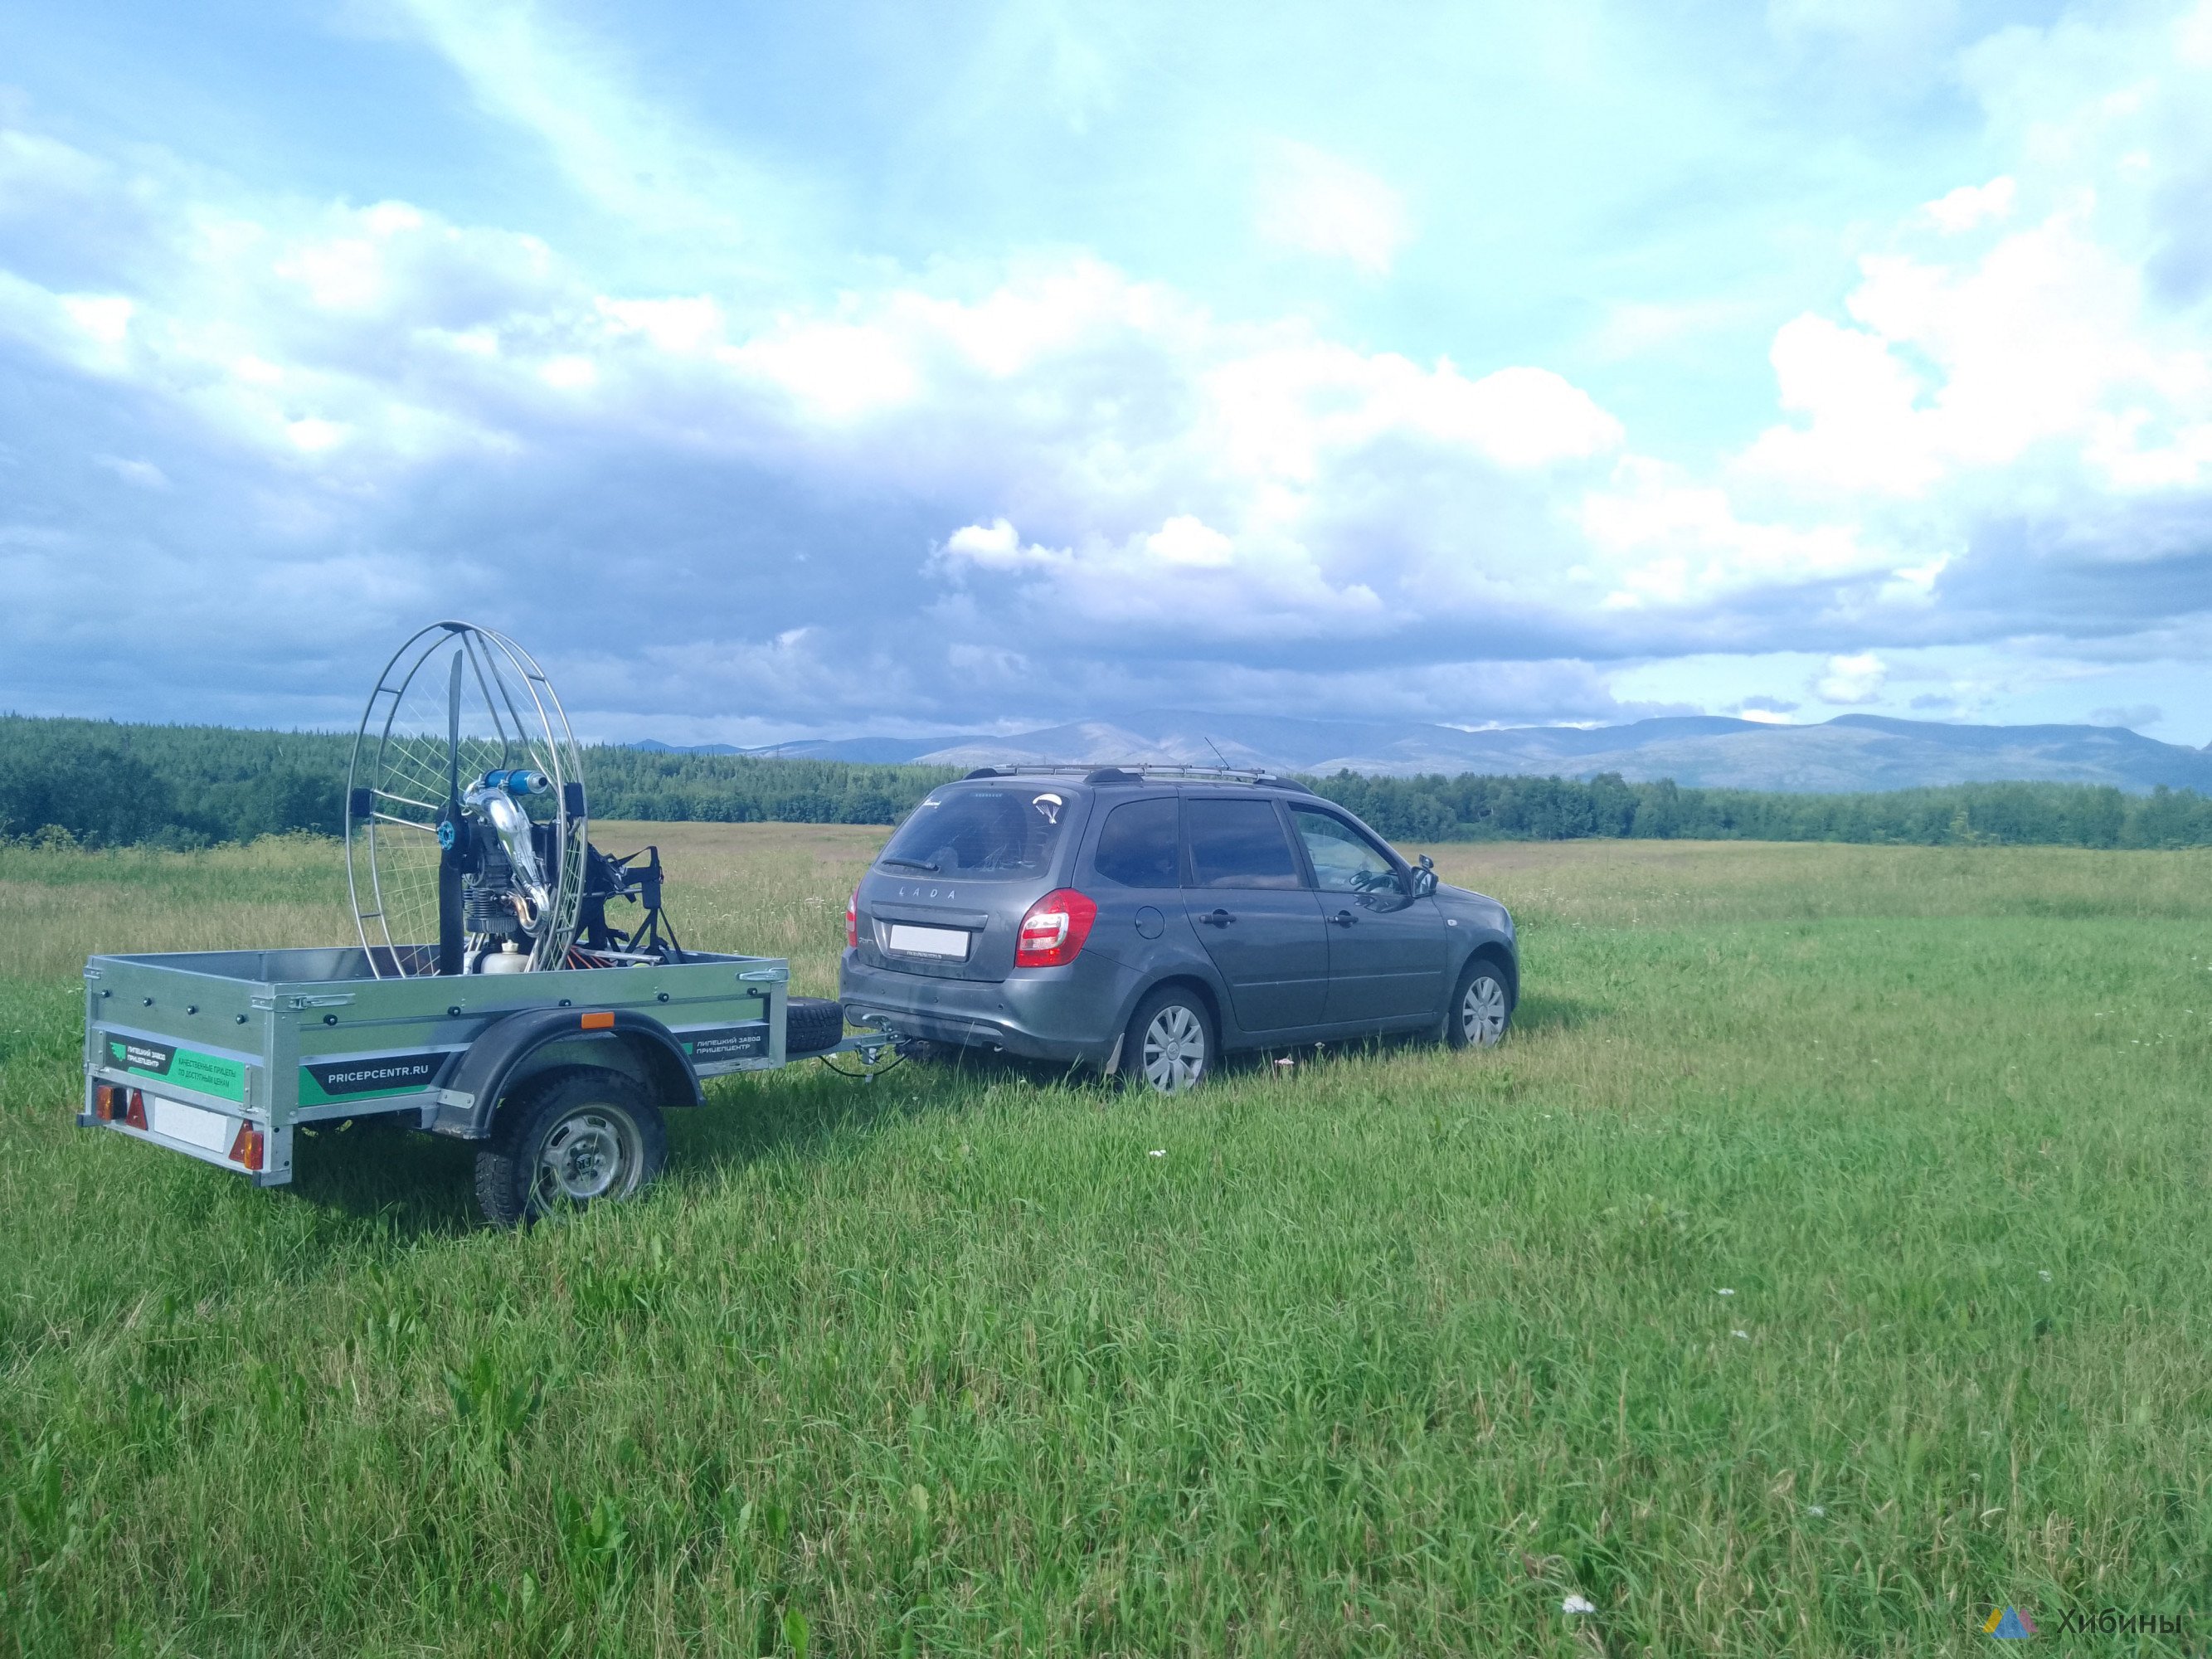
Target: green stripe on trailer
{"points": [[372, 1077], [208, 1075]]}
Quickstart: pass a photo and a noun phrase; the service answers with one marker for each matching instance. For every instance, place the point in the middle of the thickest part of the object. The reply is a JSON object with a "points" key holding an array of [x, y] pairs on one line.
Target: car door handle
{"points": [[1344, 917], [1218, 918]]}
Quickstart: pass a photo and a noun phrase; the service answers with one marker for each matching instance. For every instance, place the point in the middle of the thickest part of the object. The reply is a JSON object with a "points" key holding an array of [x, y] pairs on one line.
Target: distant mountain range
{"points": [[1850, 753]]}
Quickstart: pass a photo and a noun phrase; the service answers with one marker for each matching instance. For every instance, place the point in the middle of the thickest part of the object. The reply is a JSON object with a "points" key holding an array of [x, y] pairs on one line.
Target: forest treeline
{"points": [[103, 784], [106, 784]]}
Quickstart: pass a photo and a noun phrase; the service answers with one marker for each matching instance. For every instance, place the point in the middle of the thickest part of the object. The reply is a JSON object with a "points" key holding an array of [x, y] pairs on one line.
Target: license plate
{"points": [[188, 1124], [951, 942]]}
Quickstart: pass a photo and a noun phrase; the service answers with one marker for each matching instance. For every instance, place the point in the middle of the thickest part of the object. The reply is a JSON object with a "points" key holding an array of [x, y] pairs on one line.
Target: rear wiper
{"points": [[913, 864]]}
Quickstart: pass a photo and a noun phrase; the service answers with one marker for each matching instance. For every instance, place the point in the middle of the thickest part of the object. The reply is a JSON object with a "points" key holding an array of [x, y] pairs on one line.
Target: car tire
{"points": [[811, 1025], [1171, 1044], [1482, 1006], [572, 1137]]}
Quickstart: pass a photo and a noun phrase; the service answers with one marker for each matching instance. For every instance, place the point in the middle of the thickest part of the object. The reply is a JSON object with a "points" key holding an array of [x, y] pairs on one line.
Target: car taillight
{"points": [[1053, 930], [853, 920]]}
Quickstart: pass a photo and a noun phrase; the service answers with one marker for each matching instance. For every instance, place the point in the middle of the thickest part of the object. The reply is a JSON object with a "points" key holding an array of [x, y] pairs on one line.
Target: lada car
{"points": [[1145, 921]]}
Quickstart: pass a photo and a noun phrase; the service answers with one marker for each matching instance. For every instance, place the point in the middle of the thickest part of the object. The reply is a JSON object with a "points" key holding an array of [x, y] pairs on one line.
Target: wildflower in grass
{"points": [[2044, 1273], [1576, 1604], [1157, 1152], [1814, 1508], [1723, 1292], [1746, 1335]]}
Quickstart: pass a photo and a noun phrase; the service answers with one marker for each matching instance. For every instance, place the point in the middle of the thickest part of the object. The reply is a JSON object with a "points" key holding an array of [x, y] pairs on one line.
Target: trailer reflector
{"points": [[248, 1149], [135, 1115], [598, 1022], [103, 1101]]}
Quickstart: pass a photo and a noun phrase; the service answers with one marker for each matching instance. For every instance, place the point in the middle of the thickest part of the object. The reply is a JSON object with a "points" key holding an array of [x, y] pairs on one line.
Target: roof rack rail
{"points": [[1140, 772]]}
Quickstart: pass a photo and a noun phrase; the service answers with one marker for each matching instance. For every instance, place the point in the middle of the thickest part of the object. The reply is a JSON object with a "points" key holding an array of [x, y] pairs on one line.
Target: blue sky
{"points": [[773, 371]]}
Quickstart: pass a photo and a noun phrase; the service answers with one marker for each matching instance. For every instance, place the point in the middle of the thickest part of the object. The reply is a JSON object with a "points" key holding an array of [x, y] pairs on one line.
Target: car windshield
{"points": [[981, 834]]}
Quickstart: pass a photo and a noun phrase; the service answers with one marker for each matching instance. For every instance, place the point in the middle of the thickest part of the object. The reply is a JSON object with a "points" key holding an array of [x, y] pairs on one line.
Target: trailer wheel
{"points": [[811, 1025], [574, 1137]]}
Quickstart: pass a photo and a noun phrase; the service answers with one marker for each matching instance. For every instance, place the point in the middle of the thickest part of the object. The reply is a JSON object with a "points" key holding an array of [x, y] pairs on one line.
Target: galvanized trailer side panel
{"points": [[276, 1038]]}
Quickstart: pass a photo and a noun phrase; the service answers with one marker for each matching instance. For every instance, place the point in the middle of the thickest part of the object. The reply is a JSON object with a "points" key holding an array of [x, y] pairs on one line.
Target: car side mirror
{"points": [[1424, 878]]}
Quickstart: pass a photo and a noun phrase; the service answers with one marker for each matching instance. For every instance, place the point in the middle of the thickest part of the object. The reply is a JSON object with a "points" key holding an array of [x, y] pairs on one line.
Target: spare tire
{"points": [[811, 1025]]}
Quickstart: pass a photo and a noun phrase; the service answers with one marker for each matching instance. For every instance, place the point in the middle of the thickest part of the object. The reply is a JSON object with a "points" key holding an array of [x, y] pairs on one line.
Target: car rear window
{"points": [[1137, 847], [1240, 843], [981, 834]]}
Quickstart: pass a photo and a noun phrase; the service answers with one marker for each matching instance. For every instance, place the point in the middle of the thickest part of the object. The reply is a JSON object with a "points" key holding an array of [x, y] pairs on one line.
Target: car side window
{"points": [[1346, 861], [1239, 843], [1137, 847]]}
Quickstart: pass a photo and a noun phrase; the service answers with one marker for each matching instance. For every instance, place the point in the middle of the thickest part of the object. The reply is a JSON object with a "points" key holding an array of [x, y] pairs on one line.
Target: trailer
{"points": [[560, 1076]]}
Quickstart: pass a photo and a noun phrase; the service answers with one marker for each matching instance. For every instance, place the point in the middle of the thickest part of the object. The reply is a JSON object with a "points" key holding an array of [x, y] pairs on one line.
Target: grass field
{"points": [[1820, 1262]]}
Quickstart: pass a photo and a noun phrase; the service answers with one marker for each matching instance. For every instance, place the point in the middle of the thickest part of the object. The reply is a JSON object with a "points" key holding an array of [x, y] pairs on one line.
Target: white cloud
{"points": [[1661, 539], [570, 373], [1853, 679], [1219, 484], [314, 435], [2045, 339], [682, 325], [998, 546], [834, 371], [105, 317], [1971, 206], [1185, 540], [1317, 203]]}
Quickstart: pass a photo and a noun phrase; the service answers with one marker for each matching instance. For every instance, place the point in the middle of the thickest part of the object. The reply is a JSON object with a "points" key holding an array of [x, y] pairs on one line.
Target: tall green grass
{"points": [[1381, 1352]]}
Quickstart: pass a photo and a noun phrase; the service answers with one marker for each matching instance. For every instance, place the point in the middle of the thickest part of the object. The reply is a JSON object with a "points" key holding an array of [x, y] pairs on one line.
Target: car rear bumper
{"points": [[1068, 1014]]}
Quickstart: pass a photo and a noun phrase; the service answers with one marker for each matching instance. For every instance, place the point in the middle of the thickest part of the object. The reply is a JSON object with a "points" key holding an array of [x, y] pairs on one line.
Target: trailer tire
{"points": [[811, 1025], [572, 1137]]}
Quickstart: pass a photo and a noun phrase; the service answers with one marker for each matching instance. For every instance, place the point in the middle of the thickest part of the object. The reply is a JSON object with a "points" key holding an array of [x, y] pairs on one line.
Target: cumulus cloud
{"points": [[1971, 206], [911, 492], [1853, 679], [1317, 203]]}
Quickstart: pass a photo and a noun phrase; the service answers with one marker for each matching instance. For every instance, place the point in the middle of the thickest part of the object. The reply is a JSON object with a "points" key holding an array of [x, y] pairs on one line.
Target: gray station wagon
{"points": [[1144, 921]]}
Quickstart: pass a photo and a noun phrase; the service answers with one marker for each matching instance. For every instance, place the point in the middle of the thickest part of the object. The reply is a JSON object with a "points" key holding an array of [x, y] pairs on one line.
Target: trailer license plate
{"points": [[948, 942], [188, 1124]]}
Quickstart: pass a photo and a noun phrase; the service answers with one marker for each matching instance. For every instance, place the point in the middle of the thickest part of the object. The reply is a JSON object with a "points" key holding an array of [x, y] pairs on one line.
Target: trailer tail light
{"points": [[135, 1113], [103, 1101], [853, 922], [1053, 930], [595, 1022], [247, 1149]]}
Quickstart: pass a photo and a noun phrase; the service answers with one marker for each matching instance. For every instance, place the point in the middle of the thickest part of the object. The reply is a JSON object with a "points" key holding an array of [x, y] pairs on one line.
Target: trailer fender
{"points": [[527, 1042]]}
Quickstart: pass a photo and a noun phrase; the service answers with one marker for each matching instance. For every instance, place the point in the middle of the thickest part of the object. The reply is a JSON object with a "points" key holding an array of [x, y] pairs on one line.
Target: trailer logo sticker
{"points": [[224, 1078], [721, 1045], [323, 1081]]}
